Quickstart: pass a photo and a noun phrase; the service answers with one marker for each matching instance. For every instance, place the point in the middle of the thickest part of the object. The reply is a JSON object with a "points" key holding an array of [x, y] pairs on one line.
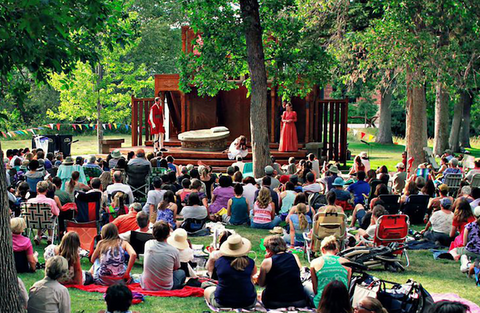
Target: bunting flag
{"points": [[31, 130], [91, 126], [86, 126], [74, 126], [115, 125], [355, 132], [395, 143], [58, 126], [370, 138], [80, 126], [110, 126], [126, 126], [104, 126], [362, 134], [4, 135], [348, 129], [96, 126]]}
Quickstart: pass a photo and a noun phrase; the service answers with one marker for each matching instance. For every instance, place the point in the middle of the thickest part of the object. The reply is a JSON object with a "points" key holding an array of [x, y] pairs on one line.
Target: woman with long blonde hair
{"points": [[109, 259], [299, 223], [264, 211]]}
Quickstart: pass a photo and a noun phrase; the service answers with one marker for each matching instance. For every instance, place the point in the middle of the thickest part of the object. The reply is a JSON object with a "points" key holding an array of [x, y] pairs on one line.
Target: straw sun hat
{"points": [[178, 239], [235, 246]]}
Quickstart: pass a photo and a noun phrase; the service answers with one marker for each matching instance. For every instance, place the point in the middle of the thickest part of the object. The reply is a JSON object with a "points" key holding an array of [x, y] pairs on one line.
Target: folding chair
{"points": [[453, 182], [346, 206], [88, 206], [391, 203], [39, 216], [373, 186], [475, 181], [138, 240], [87, 232], [416, 207], [92, 172], [316, 200], [138, 179], [195, 227], [325, 224], [393, 229], [430, 158]]}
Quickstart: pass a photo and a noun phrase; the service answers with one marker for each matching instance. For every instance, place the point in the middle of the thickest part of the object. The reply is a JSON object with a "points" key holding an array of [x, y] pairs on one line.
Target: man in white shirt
{"points": [[119, 186], [311, 186], [239, 163], [161, 267]]}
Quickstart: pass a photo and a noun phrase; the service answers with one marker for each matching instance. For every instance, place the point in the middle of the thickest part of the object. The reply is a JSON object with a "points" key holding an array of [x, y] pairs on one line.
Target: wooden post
{"points": [[325, 128], [140, 122], [307, 119], [134, 125], [183, 113], [147, 113], [320, 120], [330, 131], [337, 130], [343, 135]]}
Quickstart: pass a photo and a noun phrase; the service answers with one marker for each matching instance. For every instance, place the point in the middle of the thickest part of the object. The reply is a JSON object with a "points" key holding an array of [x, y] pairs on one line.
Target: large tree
{"points": [[260, 41], [43, 37]]}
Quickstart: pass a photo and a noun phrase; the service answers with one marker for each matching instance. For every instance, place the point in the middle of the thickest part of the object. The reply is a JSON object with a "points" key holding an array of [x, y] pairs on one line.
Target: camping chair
{"points": [[475, 181], [416, 207], [346, 206], [247, 169], [39, 216], [387, 244], [431, 158], [325, 224], [92, 172], [391, 203], [393, 228], [195, 227], [88, 206], [157, 172], [316, 200], [453, 182], [87, 232], [138, 179], [138, 240]]}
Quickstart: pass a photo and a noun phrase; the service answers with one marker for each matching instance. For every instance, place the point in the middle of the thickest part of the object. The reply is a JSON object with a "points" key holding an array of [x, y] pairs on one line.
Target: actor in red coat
{"points": [[156, 124]]}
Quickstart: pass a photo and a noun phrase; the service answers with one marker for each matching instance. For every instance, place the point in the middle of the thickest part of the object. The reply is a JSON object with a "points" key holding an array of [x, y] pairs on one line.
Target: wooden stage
{"points": [[218, 160]]}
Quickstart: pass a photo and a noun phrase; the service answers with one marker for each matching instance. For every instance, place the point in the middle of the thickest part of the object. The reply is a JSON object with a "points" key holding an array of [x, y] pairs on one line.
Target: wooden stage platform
{"points": [[218, 160]]}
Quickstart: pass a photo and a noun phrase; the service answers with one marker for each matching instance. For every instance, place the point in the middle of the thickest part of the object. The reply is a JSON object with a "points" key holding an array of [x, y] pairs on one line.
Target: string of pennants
{"points": [[363, 136], [58, 126]]}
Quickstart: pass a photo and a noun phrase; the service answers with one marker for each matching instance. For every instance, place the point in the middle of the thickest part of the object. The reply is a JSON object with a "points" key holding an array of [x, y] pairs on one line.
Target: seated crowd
{"points": [[182, 196]]}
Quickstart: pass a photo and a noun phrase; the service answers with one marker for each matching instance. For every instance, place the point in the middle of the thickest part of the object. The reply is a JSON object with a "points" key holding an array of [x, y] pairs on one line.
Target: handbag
{"points": [[410, 297], [362, 291]]}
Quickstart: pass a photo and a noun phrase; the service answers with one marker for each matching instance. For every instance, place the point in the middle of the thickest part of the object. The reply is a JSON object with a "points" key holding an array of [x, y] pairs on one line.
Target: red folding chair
{"points": [[344, 204], [86, 231], [390, 229]]}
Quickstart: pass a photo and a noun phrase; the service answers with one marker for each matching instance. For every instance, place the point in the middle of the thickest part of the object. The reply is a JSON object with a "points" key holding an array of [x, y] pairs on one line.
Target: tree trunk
{"points": [[258, 75], [416, 124], [9, 291], [440, 141], [99, 72], [384, 134], [453, 141], [465, 130]]}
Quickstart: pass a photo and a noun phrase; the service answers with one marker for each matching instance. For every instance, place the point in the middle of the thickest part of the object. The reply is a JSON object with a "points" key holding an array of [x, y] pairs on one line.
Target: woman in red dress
{"points": [[288, 133], [156, 125]]}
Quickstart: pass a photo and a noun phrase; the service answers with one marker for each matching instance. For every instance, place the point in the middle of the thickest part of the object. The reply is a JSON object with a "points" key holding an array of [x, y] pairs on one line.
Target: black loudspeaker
{"points": [[52, 143], [64, 144]]}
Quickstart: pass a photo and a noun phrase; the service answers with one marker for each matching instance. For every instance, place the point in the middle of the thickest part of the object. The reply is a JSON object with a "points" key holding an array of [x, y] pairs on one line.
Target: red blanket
{"points": [[182, 293]]}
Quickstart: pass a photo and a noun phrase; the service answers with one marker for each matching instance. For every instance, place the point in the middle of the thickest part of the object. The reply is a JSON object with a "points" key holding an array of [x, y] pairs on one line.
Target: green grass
{"points": [[437, 276]]}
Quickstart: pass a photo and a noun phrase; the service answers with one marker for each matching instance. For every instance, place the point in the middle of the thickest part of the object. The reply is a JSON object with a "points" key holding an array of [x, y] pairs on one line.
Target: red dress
{"points": [[288, 133], [156, 114]]}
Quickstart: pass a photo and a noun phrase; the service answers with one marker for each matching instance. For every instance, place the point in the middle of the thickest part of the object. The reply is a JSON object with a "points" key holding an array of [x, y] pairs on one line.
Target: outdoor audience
{"points": [[291, 194]]}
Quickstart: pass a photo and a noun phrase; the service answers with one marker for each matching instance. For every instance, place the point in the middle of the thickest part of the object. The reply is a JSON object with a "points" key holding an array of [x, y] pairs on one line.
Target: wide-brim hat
{"points": [[476, 212], [400, 165], [235, 246], [178, 239], [68, 161], [363, 154], [277, 230], [116, 154], [338, 182], [333, 169]]}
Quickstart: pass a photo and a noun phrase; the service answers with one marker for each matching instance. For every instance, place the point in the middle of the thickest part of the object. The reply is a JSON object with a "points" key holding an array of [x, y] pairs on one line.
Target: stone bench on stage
{"points": [[213, 139]]}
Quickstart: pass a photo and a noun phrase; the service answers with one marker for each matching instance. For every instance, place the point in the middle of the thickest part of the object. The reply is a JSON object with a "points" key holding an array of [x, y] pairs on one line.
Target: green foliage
{"points": [[82, 88], [294, 61]]}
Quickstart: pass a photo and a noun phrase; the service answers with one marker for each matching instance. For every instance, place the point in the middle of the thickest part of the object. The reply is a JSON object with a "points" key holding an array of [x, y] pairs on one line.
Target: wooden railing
{"points": [[140, 110]]}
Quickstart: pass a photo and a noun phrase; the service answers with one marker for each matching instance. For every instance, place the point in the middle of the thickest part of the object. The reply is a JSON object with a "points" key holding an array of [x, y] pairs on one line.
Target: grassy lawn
{"points": [[437, 276]]}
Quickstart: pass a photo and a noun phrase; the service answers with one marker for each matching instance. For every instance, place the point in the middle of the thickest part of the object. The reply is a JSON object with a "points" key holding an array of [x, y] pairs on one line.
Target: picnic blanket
{"points": [[454, 297], [186, 291], [260, 308]]}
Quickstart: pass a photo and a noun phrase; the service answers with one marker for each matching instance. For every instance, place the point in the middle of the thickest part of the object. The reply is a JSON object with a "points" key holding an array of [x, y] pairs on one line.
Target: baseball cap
{"points": [[446, 203], [268, 170]]}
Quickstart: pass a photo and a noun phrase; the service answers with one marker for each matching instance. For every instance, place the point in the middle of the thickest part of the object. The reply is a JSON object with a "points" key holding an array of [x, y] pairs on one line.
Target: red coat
{"points": [[156, 114]]}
